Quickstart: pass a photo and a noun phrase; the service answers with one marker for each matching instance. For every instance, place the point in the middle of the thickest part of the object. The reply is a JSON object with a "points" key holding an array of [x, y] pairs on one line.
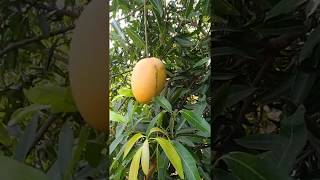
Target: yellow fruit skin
{"points": [[88, 65], [148, 79]]}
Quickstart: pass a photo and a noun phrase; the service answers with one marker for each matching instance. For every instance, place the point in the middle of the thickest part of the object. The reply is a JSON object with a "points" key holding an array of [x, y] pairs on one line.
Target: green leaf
{"points": [[156, 119], [189, 163], [162, 165], [26, 139], [156, 129], [309, 46], [172, 155], [127, 92], [195, 120], [284, 7], [221, 99], [223, 7], [145, 157], [137, 40], [203, 61], [189, 8], [134, 167], [115, 143], [65, 148], [157, 5], [164, 103], [130, 143], [247, 166], [184, 42], [59, 98], [5, 138], [93, 153], [238, 94], [113, 116], [24, 112], [13, 170], [220, 174]]}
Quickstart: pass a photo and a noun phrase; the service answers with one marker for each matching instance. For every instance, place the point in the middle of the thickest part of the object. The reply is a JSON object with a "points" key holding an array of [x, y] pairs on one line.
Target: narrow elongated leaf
{"points": [[162, 165], [156, 129], [284, 7], [309, 46], [24, 112], [157, 5], [240, 93], [164, 103], [156, 119], [189, 164], [134, 167], [26, 139], [247, 166], [59, 98], [115, 143], [130, 143], [5, 138], [137, 40], [195, 120], [116, 117], [14, 170], [145, 157], [172, 155], [65, 147]]}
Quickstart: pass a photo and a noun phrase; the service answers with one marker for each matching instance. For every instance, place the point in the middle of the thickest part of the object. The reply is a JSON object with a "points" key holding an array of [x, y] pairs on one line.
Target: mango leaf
{"points": [[24, 112], [156, 119], [223, 7], [203, 61], [184, 42], [145, 157], [162, 165], [284, 147], [248, 166], [59, 98], [130, 143], [116, 117], [127, 92], [164, 103], [284, 7], [239, 94], [115, 143], [26, 139], [221, 99], [309, 46], [137, 40], [156, 129], [5, 138], [188, 162], [13, 170], [157, 5], [172, 155], [134, 167], [195, 120], [312, 6], [220, 174]]}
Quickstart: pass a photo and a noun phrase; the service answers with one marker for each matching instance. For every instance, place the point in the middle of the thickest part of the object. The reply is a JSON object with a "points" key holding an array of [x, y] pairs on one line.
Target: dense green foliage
{"points": [[175, 125], [266, 89], [41, 132]]}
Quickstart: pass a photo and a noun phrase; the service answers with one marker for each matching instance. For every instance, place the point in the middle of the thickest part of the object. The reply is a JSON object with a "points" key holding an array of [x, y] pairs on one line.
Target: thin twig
{"points": [[145, 28], [19, 44]]}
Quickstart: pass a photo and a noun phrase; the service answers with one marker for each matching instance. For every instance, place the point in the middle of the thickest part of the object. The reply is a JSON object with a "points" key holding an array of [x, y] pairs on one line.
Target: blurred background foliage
{"points": [[42, 135], [266, 89], [178, 33]]}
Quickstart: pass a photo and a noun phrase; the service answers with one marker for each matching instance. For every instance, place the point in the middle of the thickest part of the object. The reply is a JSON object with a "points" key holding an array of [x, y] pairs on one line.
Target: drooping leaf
{"points": [[164, 103], [145, 157], [113, 116], [172, 155], [24, 112], [14, 170], [130, 143], [137, 40], [195, 120], [189, 163], [134, 167]]}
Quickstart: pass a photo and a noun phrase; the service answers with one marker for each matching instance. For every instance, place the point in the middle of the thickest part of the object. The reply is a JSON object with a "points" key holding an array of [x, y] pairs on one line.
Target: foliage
{"points": [[170, 135], [42, 134], [266, 89]]}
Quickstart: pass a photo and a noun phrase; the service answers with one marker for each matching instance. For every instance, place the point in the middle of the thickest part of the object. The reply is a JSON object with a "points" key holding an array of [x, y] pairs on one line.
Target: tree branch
{"points": [[19, 44]]}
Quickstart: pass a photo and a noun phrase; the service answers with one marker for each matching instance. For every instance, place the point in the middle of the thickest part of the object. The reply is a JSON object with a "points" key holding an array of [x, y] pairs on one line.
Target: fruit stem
{"points": [[145, 29]]}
